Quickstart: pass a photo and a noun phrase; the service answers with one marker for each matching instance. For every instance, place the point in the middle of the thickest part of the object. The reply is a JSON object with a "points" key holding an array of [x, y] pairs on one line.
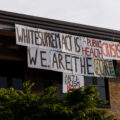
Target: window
{"points": [[11, 74], [100, 83]]}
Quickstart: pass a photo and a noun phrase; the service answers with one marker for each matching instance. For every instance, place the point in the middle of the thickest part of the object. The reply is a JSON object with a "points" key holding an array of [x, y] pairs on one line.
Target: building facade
{"points": [[13, 58]]}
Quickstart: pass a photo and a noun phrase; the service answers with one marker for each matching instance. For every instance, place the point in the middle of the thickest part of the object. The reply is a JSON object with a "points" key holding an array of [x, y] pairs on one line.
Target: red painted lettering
{"points": [[105, 50]]}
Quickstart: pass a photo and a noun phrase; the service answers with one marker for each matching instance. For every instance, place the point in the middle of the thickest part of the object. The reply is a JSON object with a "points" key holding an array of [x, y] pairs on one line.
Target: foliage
{"points": [[77, 104]]}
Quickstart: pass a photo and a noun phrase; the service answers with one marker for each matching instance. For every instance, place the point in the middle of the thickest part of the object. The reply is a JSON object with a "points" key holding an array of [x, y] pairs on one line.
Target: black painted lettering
{"points": [[83, 66], [40, 35], [77, 81], [58, 39], [69, 43], [25, 34], [49, 40], [33, 59], [36, 38], [89, 66], [20, 36], [66, 79], [54, 61], [63, 44], [60, 59], [32, 36], [54, 40], [69, 80], [75, 58], [77, 47], [42, 58], [68, 62], [28, 36], [45, 42]]}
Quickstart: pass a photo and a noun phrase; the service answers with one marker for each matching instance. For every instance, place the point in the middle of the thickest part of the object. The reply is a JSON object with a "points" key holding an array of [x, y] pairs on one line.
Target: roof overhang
{"points": [[9, 19]]}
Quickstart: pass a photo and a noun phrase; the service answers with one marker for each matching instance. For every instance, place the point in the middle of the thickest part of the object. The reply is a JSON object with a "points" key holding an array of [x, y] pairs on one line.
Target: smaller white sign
{"points": [[72, 81]]}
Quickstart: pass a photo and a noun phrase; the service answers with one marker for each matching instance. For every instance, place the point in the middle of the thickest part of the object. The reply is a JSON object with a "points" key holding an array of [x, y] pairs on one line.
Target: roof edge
{"points": [[60, 26]]}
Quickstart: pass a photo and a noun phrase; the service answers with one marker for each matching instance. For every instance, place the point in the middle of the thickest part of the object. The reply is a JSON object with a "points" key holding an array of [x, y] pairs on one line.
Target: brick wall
{"points": [[114, 88]]}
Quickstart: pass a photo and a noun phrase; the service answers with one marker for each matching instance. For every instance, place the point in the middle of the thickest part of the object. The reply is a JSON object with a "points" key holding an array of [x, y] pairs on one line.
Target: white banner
{"points": [[67, 53], [72, 81], [58, 61], [111, 50], [56, 41]]}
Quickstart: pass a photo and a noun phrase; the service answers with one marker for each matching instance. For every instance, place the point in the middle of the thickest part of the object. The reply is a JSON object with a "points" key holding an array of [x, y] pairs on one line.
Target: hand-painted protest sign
{"points": [[66, 53], [45, 39], [71, 44], [111, 50], [82, 66], [91, 47], [34, 37], [71, 64], [72, 81], [38, 58], [58, 61], [103, 68]]}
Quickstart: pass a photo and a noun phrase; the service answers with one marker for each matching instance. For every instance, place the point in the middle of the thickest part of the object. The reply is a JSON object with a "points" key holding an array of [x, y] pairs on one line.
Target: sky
{"points": [[100, 13]]}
